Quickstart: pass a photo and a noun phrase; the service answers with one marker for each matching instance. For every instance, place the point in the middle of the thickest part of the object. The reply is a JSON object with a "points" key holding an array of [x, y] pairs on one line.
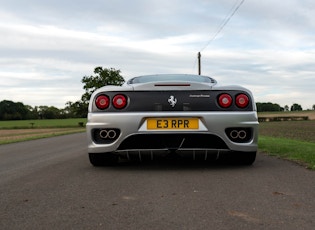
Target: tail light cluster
{"points": [[225, 100], [119, 101]]}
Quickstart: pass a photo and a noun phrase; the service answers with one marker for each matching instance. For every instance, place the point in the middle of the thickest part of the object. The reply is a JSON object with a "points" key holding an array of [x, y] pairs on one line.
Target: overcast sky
{"points": [[47, 46]]}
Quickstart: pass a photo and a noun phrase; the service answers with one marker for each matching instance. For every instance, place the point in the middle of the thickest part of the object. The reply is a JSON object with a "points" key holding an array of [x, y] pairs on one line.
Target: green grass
{"points": [[298, 151], [292, 140], [47, 123]]}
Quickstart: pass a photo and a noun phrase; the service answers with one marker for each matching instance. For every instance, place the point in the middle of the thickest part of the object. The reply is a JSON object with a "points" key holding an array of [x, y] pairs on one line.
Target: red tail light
{"points": [[119, 101], [242, 100], [225, 100], [102, 102]]}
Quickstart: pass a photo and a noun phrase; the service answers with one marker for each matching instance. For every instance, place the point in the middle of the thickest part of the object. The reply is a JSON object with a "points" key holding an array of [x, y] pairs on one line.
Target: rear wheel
{"points": [[103, 159]]}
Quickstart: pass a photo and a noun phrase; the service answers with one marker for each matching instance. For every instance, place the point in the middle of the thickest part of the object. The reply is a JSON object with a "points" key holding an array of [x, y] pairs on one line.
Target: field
{"points": [[310, 114], [15, 131], [292, 140], [297, 130], [48, 123]]}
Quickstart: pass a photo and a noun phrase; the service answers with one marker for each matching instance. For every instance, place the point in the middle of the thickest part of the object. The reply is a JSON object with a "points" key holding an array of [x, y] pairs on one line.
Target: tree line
{"points": [[10, 110], [270, 107]]}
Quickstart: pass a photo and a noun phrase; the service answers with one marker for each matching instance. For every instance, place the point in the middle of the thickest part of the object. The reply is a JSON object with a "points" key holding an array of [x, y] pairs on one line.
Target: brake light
{"points": [[242, 100], [102, 102], [120, 101], [225, 100]]}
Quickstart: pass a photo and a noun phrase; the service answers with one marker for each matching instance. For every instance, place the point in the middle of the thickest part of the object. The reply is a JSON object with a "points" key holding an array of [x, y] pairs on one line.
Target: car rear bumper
{"points": [[218, 131]]}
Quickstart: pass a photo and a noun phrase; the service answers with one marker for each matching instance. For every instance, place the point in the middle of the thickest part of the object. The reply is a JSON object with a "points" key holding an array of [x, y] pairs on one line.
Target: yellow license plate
{"points": [[173, 123]]}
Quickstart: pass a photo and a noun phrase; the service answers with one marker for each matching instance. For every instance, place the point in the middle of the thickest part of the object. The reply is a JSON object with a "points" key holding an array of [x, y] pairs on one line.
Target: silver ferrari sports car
{"points": [[157, 115]]}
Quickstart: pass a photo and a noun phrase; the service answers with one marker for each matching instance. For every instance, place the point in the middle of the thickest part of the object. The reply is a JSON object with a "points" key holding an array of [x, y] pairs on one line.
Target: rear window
{"points": [[171, 77]]}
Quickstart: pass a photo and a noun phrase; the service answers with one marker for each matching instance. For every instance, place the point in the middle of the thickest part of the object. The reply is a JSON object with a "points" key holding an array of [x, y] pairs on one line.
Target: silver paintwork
{"points": [[131, 123]]}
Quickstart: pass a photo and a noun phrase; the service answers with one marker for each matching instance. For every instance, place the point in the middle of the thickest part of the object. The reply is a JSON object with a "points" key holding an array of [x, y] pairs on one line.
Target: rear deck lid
{"points": [[171, 82]]}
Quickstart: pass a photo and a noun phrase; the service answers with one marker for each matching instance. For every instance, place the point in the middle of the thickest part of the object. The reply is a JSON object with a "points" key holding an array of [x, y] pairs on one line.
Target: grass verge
{"points": [[298, 151], [33, 134]]}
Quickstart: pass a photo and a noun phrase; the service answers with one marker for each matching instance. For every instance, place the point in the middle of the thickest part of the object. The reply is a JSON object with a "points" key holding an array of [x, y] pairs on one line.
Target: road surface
{"points": [[49, 184]]}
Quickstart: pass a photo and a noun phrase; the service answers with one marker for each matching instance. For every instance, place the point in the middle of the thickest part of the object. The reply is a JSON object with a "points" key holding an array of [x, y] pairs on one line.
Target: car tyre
{"points": [[103, 159]]}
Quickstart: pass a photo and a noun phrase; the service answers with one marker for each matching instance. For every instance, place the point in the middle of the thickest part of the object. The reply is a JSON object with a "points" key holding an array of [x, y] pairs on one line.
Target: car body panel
{"points": [[192, 100]]}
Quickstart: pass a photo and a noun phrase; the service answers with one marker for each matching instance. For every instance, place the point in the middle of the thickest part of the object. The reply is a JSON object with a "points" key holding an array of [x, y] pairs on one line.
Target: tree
{"points": [[313, 107], [296, 107], [268, 107], [75, 110], [10, 110], [101, 78], [49, 112], [91, 83]]}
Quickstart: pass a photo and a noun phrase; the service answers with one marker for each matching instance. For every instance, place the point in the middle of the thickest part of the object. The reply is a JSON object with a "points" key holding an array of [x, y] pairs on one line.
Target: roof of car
{"points": [[171, 77]]}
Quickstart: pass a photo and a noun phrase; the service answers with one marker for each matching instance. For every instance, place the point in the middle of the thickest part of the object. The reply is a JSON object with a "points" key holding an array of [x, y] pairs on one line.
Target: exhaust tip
{"points": [[108, 134], [239, 135], [105, 136]]}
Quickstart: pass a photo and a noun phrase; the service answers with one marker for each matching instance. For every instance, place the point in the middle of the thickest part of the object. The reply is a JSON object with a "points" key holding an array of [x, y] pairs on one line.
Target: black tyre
{"points": [[103, 159]]}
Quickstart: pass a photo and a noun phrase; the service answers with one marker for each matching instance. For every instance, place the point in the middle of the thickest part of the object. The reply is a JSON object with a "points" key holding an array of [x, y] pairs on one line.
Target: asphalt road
{"points": [[49, 184]]}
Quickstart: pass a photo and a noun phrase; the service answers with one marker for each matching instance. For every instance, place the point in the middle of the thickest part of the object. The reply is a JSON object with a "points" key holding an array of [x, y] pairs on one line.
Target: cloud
{"points": [[48, 47]]}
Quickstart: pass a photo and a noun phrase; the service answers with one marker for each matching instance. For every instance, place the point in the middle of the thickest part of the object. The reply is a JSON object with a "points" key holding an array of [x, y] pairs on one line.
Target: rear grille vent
{"points": [[173, 141]]}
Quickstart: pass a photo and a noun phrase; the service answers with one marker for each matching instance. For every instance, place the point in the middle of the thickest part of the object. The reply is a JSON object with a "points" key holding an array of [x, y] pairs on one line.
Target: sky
{"points": [[48, 46]]}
